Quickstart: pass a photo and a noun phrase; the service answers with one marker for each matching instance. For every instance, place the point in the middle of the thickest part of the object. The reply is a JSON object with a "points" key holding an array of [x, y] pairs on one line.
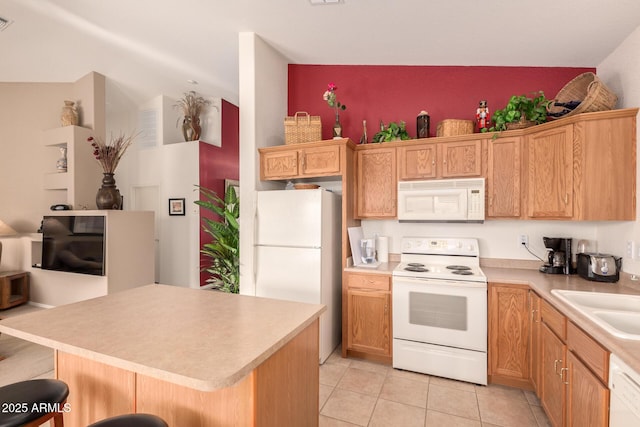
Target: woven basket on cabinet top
{"points": [[587, 88], [301, 127], [453, 127]]}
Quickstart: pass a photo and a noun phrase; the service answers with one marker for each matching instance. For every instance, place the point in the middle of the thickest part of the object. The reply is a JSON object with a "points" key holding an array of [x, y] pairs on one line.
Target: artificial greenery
{"points": [[224, 249], [520, 107], [393, 132]]}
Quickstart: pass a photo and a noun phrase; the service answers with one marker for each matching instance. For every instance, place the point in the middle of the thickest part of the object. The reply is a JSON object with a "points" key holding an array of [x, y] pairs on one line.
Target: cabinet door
{"points": [[534, 341], [461, 159], [550, 173], [417, 162], [509, 323], [376, 191], [280, 164], [504, 193], [587, 397], [552, 395], [368, 322], [320, 161]]}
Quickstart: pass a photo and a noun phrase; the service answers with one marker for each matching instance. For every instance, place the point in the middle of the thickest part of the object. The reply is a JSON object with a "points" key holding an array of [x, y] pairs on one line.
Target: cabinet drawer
{"points": [[589, 351], [554, 319], [369, 281]]}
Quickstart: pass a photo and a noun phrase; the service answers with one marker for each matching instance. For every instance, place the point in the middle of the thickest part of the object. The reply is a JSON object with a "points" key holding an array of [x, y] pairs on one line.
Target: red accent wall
{"points": [[220, 163], [394, 93]]}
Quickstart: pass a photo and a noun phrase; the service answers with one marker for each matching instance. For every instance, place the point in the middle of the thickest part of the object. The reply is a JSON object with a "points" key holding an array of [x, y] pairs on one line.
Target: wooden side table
{"points": [[14, 288]]}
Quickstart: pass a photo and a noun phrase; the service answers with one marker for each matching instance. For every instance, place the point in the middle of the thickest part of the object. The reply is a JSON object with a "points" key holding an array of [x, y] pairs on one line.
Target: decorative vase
{"points": [[61, 164], [337, 127], [108, 196], [191, 128], [69, 114]]}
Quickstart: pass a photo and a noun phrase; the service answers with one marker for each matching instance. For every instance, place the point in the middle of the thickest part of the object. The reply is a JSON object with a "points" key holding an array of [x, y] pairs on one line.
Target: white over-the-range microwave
{"points": [[441, 200]]}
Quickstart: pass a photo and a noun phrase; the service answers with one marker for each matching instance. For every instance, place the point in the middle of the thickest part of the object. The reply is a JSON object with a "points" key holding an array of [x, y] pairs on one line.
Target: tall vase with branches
{"points": [[224, 249]]}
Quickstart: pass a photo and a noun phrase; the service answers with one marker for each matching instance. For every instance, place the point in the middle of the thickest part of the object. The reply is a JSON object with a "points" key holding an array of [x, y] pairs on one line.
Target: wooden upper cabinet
{"points": [[550, 173], [314, 159], [504, 168], [584, 170], [376, 183], [417, 162], [605, 167], [430, 160], [320, 161], [279, 164], [461, 159]]}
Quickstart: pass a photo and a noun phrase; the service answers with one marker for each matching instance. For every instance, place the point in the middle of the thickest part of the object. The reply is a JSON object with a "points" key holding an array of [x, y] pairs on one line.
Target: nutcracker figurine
{"points": [[482, 116]]}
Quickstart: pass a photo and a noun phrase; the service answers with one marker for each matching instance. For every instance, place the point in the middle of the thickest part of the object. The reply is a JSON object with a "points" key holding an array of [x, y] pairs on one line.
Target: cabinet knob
{"points": [[555, 365], [566, 198]]}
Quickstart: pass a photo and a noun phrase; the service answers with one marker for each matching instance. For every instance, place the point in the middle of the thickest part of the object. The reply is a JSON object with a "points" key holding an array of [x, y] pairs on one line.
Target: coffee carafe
{"points": [[558, 256]]}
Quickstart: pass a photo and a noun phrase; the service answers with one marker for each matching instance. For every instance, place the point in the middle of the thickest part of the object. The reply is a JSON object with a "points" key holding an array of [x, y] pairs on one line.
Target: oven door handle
{"points": [[441, 282]]}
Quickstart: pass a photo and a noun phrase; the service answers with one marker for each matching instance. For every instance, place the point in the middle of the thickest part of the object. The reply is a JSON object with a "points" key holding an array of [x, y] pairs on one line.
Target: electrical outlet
{"points": [[523, 239], [630, 248]]}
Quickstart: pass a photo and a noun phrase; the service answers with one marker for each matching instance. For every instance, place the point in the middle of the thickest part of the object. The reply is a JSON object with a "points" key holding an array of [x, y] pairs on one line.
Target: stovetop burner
{"points": [[440, 259], [458, 267]]}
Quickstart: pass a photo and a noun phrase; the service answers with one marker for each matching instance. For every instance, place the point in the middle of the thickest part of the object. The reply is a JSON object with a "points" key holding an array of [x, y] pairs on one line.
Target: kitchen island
{"points": [[192, 357]]}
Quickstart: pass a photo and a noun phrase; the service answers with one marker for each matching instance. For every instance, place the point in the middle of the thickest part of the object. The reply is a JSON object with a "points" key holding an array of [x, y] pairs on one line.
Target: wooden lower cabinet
{"points": [[573, 374], [368, 312], [509, 331], [587, 398], [534, 341], [552, 393]]}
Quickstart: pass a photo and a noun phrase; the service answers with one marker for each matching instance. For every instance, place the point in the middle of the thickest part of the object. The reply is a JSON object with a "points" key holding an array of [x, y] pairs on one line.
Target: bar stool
{"points": [[34, 402], [131, 420]]}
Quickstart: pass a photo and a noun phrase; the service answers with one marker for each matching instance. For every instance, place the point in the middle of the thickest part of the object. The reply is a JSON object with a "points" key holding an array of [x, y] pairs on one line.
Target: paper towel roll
{"points": [[383, 248]]}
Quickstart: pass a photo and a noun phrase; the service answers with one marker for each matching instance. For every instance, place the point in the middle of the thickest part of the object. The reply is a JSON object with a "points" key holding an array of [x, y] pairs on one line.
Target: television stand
{"points": [[14, 288]]}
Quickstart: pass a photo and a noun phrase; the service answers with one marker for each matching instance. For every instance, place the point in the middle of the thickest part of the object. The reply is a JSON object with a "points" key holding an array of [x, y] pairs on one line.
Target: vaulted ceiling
{"points": [[149, 47]]}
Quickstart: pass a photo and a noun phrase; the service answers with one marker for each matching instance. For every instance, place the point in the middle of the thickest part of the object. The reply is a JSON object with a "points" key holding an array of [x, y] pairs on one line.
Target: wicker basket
{"points": [[520, 124], [302, 128], [453, 127], [587, 88]]}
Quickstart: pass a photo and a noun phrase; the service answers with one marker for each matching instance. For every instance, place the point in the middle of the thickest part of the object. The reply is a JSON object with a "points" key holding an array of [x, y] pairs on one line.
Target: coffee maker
{"points": [[558, 257]]}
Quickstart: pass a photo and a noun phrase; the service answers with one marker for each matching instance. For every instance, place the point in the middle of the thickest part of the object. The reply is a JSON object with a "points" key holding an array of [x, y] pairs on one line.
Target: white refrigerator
{"points": [[298, 254]]}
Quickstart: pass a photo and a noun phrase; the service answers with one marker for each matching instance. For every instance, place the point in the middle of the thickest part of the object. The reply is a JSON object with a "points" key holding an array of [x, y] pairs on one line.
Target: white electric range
{"points": [[440, 309]]}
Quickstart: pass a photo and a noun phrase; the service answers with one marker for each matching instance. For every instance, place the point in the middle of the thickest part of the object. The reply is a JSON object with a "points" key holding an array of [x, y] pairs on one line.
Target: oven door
{"points": [[450, 313]]}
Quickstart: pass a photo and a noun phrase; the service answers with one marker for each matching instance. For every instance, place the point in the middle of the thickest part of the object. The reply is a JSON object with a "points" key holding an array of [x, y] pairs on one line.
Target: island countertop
{"points": [[204, 340]]}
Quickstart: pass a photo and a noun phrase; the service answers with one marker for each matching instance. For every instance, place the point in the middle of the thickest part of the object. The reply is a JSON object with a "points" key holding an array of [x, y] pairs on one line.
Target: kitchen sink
{"points": [[619, 314]]}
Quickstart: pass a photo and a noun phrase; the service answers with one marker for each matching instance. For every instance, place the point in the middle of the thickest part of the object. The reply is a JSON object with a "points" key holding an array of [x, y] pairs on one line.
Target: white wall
{"points": [[620, 71], [497, 238], [263, 107]]}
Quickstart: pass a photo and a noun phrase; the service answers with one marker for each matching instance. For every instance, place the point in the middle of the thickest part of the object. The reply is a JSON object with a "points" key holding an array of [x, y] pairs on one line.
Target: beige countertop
{"points": [[542, 284], [205, 340], [383, 268]]}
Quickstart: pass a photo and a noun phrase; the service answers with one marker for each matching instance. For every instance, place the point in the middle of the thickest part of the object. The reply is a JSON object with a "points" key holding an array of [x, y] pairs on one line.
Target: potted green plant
{"points": [[224, 249], [520, 112], [393, 132]]}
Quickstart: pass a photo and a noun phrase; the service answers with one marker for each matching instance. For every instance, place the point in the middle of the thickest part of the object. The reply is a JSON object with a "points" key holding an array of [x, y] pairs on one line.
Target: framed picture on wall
{"points": [[176, 207], [233, 183]]}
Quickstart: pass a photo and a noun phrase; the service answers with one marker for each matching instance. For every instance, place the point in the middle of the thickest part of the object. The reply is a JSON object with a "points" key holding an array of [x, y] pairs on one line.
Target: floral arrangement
{"points": [[109, 154], [330, 97], [191, 104]]}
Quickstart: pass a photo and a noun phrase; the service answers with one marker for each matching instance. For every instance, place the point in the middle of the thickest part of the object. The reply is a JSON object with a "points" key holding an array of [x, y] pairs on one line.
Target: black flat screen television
{"points": [[74, 243]]}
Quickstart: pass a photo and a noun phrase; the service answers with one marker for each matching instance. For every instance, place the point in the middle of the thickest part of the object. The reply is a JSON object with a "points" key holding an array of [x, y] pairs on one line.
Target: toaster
{"points": [[599, 267]]}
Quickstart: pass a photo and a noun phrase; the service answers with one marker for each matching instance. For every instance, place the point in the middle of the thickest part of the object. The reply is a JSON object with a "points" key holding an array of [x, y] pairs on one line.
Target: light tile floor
{"points": [[359, 393]]}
